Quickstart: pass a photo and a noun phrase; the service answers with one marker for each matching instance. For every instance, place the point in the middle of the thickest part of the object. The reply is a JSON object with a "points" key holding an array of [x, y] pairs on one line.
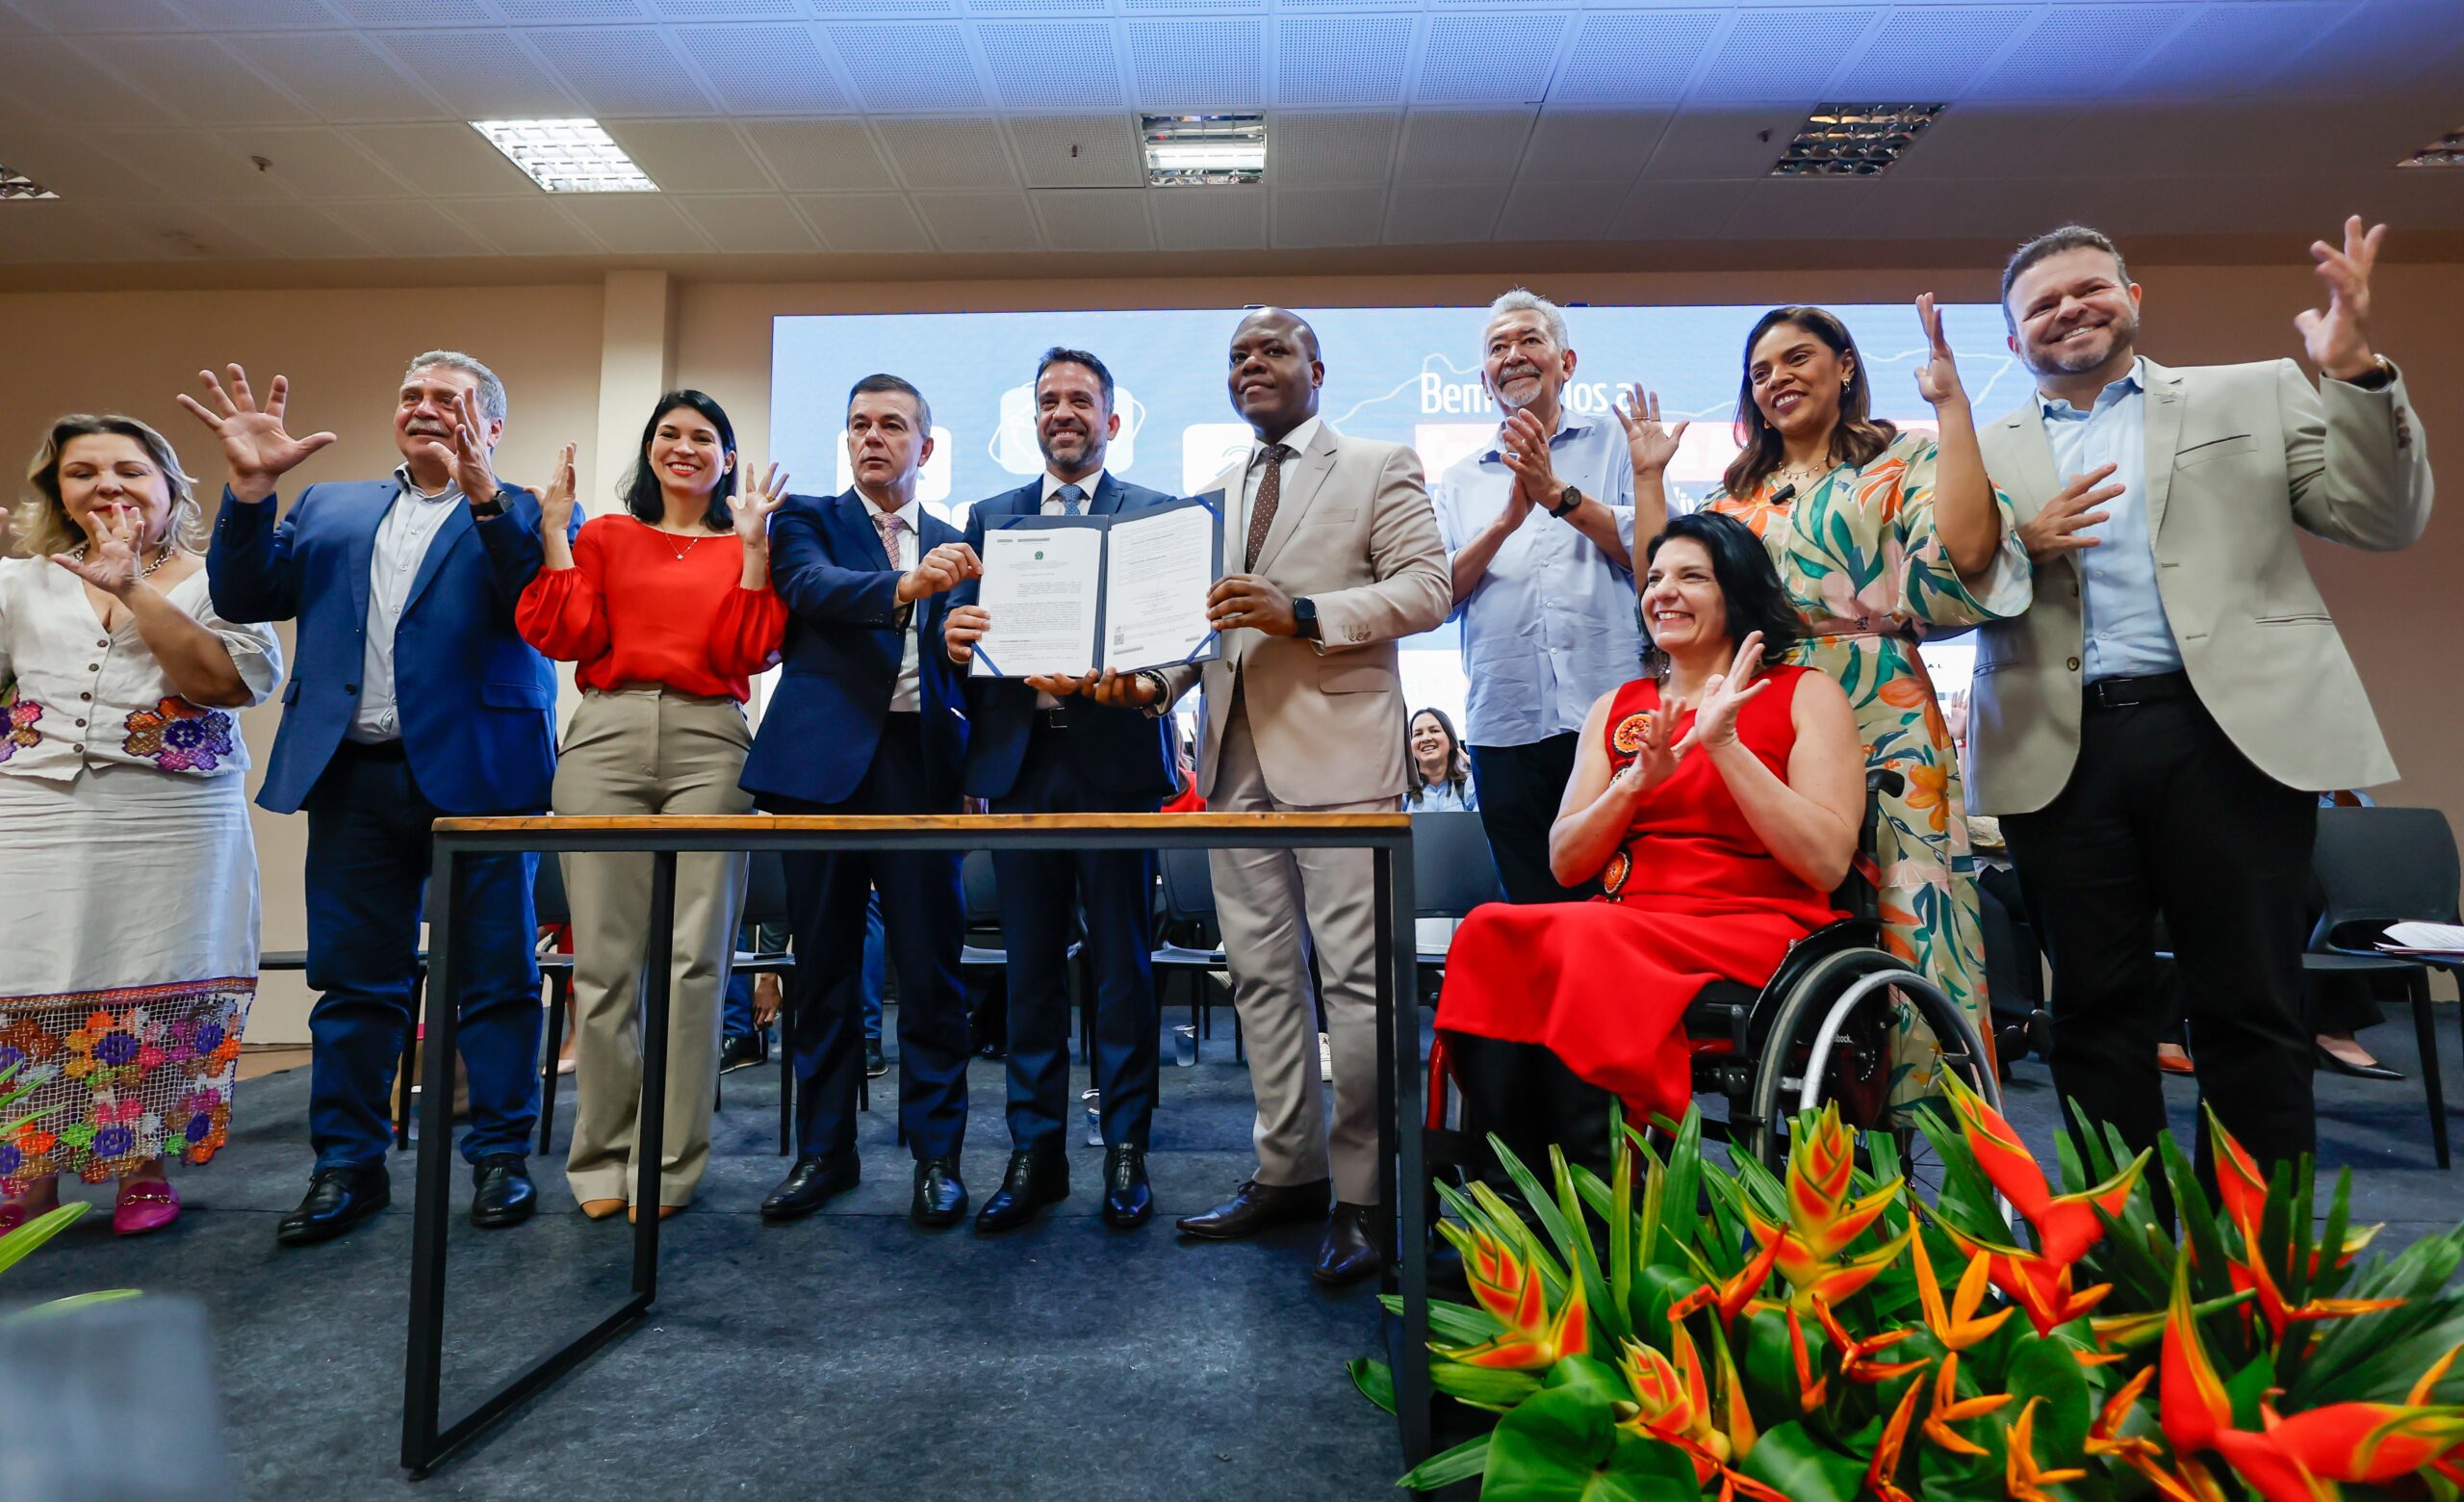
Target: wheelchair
{"points": [[1819, 1031]]}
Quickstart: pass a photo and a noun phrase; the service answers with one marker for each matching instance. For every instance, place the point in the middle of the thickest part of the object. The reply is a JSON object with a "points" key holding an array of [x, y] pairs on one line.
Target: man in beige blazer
{"points": [[1338, 558], [2155, 729]]}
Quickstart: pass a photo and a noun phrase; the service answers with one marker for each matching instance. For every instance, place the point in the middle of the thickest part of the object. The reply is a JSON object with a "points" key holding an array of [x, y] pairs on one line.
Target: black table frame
{"points": [[427, 1441]]}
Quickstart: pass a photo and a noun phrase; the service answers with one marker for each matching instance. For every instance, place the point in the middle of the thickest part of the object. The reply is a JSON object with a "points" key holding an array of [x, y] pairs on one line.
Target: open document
{"points": [[1073, 594]]}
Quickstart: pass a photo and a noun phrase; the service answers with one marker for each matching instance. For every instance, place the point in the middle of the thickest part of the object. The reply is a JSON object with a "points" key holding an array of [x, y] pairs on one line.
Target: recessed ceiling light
{"points": [[1854, 140], [1204, 150], [567, 156], [2447, 150], [17, 185]]}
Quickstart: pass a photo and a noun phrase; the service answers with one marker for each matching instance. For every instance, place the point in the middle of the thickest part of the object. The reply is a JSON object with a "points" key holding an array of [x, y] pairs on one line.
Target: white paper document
{"points": [[1072, 594], [1042, 587], [1156, 573]]}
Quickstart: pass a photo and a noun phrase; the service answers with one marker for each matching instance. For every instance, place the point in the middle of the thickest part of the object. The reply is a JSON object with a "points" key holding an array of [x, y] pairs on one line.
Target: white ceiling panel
{"points": [[979, 220], [1320, 217], [1800, 209], [410, 228], [102, 15], [51, 85], [724, 10], [2080, 51], [951, 153], [1538, 213], [2385, 43], [1932, 53], [1052, 64], [339, 75], [523, 226], [1099, 219], [1675, 210], [480, 75], [259, 15], [749, 224], [196, 166], [301, 232], [1323, 150], [1215, 218], [1590, 146], [1635, 60], [1730, 142], [764, 69], [1198, 65], [315, 164], [416, 12], [691, 156], [1449, 216], [77, 166], [2237, 49], [874, 223], [195, 77], [621, 70], [1354, 60], [1772, 53], [445, 161], [635, 224], [1489, 59], [58, 232], [909, 67], [569, 12], [1078, 152], [1462, 147], [820, 156]]}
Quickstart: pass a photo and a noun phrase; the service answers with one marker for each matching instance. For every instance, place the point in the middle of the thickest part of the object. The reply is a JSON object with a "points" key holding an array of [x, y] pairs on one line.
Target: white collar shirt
{"points": [[411, 523]]}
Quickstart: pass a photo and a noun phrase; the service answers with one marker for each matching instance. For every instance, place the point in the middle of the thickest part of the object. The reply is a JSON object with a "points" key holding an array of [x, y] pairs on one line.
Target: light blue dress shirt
{"points": [[1553, 624], [1442, 798], [2122, 614]]}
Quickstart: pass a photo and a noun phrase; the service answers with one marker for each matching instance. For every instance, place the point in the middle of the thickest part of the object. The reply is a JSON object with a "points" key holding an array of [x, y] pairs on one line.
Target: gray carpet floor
{"points": [[854, 1356]]}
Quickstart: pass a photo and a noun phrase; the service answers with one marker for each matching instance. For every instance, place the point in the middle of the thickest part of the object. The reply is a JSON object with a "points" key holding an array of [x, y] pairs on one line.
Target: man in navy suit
{"points": [[868, 718], [1032, 752], [412, 699]]}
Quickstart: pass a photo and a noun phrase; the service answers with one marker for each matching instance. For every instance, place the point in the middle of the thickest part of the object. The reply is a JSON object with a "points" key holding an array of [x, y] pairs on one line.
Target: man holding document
{"points": [[1030, 751]]}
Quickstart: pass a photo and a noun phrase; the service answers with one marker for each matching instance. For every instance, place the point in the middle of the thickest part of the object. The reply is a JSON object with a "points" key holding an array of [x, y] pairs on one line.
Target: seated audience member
{"points": [[1441, 773], [667, 607], [128, 929], [1718, 804]]}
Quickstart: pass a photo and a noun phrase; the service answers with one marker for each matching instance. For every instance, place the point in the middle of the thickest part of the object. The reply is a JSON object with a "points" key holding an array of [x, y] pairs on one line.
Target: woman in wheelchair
{"points": [[1718, 800]]}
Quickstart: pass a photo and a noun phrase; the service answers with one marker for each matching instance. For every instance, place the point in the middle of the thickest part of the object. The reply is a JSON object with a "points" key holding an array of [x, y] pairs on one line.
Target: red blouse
{"points": [[631, 612]]}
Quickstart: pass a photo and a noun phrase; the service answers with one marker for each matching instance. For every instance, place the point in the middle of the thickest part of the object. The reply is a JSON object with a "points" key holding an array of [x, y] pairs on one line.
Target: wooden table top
{"points": [[825, 823]]}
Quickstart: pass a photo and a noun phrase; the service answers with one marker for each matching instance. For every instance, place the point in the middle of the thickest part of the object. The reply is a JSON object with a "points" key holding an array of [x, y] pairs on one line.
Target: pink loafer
{"points": [[12, 1216], [143, 1206]]}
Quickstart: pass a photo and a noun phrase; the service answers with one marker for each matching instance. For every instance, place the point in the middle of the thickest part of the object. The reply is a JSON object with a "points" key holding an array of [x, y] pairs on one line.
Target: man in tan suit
{"points": [[2155, 728], [1339, 557]]}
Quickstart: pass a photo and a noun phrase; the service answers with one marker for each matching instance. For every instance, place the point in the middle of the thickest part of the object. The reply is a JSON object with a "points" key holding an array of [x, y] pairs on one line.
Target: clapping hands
{"points": [[1723, 694], [556, 501]]}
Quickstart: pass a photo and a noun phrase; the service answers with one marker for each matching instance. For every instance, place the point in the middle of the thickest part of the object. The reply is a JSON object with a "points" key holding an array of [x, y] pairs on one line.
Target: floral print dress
{"points": [[1860, 560]]}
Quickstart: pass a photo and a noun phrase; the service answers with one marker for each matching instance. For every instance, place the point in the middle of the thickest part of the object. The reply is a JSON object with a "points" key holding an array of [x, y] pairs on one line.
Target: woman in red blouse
{"points": [[668, 609]]}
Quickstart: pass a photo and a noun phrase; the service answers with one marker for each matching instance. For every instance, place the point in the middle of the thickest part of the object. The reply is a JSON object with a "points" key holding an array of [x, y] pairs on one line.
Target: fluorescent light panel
{"points": [[566, 156], [1854, 140], [1204, 150], [2447, 150], [17, 185]]}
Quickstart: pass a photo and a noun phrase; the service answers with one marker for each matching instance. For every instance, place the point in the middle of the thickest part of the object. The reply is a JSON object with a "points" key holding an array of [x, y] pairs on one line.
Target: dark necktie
{"points": [[1270, 495]]}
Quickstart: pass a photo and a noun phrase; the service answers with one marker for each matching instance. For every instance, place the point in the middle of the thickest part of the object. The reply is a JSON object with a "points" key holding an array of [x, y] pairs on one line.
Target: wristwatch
{"points": [[492, 506], [1567, 500], [1304, 614], [2375, 378], [1163, 688]]}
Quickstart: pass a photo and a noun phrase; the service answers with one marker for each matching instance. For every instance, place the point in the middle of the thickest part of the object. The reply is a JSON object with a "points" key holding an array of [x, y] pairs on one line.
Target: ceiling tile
{"points": [[195, 167], [407, 227], [1540, 213], [416, 12], [337, 74], [764, 69], [1635, 59], [635, 224], [1801, 209], [1674, 211], [1590, 146], [104, 16], [691, 156], [910, 67], [195, 76], [301, 232], [622, 70], [1307, 217], [1320, 150], [2047, 64], [315, 164], [1932, 53], [60, 233], [260, 14], [1350, 60], [724, 10], [1207, 219], [1449, 216], [2383, 45], [1771, 53], [749, 225], [480, 75], [2234, 50], [1983, 141], [1724, 142], [866, 223], [568, 13], [1462, 147], [79, 167], [821, 156], [959, 153], [1052, 64], [979, 221], [1078, 152], [521, 226], [448, 160], [1095, 219], [1489, 59], [1198, 65], [51, 85]]}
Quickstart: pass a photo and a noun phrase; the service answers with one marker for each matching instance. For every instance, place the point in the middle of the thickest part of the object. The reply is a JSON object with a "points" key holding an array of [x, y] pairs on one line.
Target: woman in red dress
{"points": [[1717, 801]]}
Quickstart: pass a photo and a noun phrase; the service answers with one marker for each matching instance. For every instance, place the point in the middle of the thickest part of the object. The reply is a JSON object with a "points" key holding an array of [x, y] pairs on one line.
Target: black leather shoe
{"points": [[338, 1199], [1254, 1206], [876, 1062], [1347, 1254], [501, 1191], [1032, 1181], [2326, 1059], [810, 1184], [941, 1195], [743, 1050], [1127, 1200]]}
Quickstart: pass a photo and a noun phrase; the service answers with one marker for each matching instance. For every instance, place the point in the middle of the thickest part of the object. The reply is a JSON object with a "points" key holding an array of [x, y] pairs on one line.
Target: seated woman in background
{"points": [[1441, 771], [1717, 802], [128, 876]]}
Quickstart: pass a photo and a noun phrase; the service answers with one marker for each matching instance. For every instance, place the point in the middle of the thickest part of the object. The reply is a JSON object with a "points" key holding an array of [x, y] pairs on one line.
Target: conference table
{"points": [[428, 1440]]}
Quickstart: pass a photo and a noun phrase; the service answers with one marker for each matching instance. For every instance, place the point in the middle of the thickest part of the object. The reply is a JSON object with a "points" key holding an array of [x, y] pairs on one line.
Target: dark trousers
{"points": [[1527, 1097], [924, 920], [2161, 814], [1039, 893], [370, 853], [1520, 788]]}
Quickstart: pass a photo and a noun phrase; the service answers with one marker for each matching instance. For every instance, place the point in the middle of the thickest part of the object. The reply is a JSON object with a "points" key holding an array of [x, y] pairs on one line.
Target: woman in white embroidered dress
{"points": [[128, 876]]}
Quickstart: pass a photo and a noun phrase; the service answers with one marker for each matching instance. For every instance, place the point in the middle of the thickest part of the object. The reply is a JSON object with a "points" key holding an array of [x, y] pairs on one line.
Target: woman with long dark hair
{"points": [[1716, 801], [1881, 537], [668, 609], [1439, 768]]}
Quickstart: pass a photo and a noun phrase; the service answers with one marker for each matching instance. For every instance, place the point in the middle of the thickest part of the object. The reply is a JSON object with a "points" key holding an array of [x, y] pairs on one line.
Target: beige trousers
{"points": [[649, 750], [1261, 897]]}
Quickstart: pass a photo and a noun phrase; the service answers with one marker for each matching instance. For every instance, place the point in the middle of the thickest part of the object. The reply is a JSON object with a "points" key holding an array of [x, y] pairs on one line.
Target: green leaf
{"points": [[15, 1246], [1564, 1445], [2045, 1369], [1447, 1466], [69, 1305], [1480, 1386], [1375, 1381], [1455, 1324], [1788, 1458]]}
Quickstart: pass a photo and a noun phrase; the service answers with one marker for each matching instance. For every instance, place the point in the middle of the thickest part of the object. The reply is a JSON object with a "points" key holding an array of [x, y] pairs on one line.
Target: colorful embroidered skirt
{"points": [[128, 958]]}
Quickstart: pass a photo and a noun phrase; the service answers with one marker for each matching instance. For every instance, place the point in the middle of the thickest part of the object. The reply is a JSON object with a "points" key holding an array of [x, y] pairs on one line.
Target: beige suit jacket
{"points": [[1354, 532], [2238, 456]]}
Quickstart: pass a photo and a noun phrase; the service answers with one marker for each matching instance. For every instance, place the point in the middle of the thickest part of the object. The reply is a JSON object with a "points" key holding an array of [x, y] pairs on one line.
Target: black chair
{"points": [[1189, 905], [1453, 871], [296, 960], [984, 949], [2381, 866]]}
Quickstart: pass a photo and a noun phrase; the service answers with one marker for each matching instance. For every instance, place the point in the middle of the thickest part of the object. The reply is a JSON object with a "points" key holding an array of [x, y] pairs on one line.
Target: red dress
{"points": [[1691, 896], [635, 609]]}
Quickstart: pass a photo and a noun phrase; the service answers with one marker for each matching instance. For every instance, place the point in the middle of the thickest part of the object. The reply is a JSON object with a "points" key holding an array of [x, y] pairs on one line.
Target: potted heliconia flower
{"points": [[1828, 1336]]}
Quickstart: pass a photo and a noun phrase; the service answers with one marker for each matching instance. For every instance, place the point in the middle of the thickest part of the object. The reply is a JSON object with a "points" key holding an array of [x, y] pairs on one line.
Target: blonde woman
{"points": [[128, 877]]}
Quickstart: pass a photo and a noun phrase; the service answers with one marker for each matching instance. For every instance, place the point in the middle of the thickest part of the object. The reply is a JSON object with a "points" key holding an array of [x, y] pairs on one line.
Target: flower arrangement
{"points": [[1686, 1330]]}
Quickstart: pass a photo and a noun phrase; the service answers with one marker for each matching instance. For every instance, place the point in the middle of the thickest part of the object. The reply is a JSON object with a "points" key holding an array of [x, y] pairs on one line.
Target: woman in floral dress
{"points": [[128, 877], [1883, 538]]}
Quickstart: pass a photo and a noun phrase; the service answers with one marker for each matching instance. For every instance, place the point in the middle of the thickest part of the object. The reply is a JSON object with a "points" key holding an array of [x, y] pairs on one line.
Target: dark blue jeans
{"points": [[368, 857]]}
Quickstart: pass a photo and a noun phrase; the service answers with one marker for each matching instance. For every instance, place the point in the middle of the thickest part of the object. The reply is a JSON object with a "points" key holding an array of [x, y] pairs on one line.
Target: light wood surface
{"points": [[826, 823]]}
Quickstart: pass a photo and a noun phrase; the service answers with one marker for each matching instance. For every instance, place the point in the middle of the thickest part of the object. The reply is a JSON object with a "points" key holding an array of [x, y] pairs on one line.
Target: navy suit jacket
{"points": [[477, 704], [840, 663], [1123, 749]]}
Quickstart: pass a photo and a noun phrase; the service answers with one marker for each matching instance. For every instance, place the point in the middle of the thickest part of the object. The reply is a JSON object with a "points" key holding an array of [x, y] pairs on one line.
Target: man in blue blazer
{"points": [[411, 698], [1032, 752], [868, 718]]}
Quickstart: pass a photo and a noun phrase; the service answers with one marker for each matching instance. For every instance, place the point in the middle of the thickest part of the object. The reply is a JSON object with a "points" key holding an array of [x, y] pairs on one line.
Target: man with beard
{"points": [[1539, 526], [1030, 751], [2155, 729], [1339, 560]]}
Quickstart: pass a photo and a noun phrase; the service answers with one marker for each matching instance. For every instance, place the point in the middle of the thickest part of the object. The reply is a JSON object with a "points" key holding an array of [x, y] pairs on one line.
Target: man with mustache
{"points": [[2155, 729], [1339, 558], [414, 699], [1030, 751]]}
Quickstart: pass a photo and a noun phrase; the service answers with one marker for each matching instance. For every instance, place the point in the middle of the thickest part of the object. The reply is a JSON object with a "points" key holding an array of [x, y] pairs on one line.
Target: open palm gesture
{"points": [[1723, 694], [754, 504], [1656, 758], [114, 543], [1937, 380], [256, 447], [2338, 340], [556, 501], [1647, 444]]}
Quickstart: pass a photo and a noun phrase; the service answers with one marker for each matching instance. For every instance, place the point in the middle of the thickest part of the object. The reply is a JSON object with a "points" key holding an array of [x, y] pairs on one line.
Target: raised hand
{"points": [[115, 544], [1723, 694], [2054, 531], [556, 501], [473, 469], [2338, 340], [1937, 380], [754, 505], [1647, 444], [965, 627], [944, 568], [256, 449]]}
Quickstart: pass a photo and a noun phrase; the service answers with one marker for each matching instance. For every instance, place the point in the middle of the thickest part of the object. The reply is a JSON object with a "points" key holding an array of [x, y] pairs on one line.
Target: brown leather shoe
{"points": [[1254, 1206], [1347, 1254]]}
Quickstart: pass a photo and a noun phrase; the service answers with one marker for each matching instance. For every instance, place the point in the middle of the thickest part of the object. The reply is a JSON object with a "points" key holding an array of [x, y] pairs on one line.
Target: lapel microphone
{"points": [[1783, 495]]}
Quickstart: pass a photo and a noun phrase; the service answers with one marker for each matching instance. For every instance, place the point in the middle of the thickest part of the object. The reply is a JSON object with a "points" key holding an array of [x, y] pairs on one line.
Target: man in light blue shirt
{"points": [[2126, 633], [1540, 535]]}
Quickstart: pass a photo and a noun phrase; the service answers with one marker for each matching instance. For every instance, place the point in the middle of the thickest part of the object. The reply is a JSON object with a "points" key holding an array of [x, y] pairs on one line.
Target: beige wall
{"points": [[344, 351]]}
